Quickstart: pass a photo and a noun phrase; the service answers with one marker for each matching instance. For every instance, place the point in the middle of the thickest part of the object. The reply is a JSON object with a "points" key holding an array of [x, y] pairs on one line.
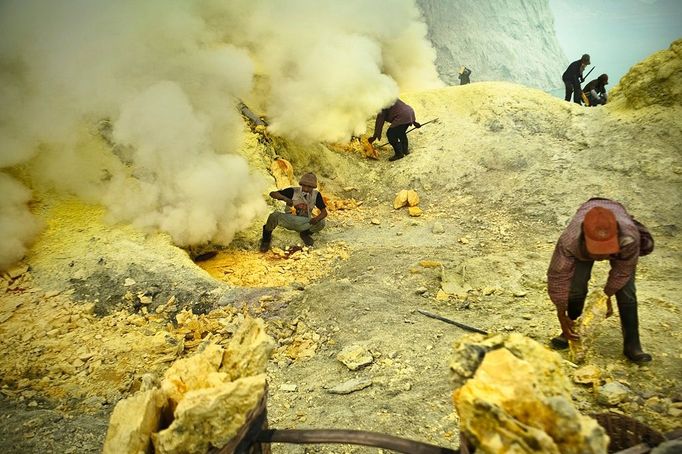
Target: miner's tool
{"points": [[588, 73], [452, 322], [435, 120]]}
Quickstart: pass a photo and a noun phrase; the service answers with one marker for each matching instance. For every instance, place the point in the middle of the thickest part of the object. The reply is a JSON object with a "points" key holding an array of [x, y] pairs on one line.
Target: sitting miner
{"points": [[601, 229], [303, 199], [595, 90]]}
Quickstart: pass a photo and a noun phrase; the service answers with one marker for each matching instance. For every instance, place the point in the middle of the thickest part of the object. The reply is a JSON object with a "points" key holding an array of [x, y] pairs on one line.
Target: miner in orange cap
{"points": [[600, 230]]}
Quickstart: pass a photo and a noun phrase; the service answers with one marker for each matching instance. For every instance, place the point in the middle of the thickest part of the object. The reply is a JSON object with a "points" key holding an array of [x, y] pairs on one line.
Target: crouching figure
{"points": [[302, 200]]}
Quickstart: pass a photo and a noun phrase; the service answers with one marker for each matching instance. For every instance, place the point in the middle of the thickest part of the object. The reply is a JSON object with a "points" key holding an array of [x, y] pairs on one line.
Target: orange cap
{"points": [[601, 232]]}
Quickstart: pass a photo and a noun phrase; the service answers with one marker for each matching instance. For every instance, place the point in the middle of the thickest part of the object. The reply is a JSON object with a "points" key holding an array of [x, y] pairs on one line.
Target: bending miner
{"points": [[595, 90], [300, 202], [601, 229], [400, 116]]}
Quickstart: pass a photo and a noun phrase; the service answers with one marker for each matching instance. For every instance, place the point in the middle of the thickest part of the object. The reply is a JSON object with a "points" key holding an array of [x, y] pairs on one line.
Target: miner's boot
{"points": [[630, 324], [307, 238], [266, 240]]}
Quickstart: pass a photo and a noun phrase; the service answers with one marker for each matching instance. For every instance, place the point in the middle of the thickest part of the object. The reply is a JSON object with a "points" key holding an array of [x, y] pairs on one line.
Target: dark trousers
{"points": [[626, 297], [397, 137], [573, 87]]}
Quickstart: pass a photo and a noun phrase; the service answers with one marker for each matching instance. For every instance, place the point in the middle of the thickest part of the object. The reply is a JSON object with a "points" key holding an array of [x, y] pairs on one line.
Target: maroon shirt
{"points": [[398, 114], [571, 248]]}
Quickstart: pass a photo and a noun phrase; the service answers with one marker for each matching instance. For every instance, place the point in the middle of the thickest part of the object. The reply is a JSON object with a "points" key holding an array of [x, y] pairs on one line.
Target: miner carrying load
{"points": [[400, 116], [573, 77], [601, 229], [303, 200]]}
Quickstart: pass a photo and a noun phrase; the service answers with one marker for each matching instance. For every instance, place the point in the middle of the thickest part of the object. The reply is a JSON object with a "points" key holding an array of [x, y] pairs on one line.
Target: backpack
{"points": [[646, 241]]}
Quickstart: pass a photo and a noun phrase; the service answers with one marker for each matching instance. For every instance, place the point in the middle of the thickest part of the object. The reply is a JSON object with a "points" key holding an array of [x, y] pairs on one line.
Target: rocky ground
{"points": [[93, 307]]}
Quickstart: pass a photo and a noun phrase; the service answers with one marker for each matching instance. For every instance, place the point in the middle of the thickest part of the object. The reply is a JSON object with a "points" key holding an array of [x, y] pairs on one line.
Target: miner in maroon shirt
{"points": [[400, 116], [600, 230]]}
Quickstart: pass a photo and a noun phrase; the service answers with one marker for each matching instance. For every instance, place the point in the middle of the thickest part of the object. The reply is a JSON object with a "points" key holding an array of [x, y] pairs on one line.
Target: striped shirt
{"points": [[571, 248]]}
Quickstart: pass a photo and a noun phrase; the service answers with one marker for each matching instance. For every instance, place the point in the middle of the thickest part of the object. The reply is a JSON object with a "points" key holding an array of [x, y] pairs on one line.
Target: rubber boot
{"points": [[266, 240], [632, 348], [396, 156], [559, 342], [307, 238]]}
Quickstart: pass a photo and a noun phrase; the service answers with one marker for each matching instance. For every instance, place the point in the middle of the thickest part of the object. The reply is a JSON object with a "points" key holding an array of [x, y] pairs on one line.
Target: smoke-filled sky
{"points": [[616, 33], [160, 79]]}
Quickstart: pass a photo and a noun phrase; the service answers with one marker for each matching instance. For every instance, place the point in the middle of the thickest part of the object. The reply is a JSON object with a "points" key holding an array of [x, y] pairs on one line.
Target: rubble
{"points": [[406, 197], [210, 395], [511, 391], [277, 268]]}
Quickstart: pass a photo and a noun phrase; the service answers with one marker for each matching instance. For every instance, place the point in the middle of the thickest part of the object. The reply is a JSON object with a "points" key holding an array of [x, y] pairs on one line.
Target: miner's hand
{"points": [[567, 326]]}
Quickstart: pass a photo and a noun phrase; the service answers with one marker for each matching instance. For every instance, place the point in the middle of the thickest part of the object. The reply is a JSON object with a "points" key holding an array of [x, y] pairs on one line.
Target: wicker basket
{"points": [[626, 432]]}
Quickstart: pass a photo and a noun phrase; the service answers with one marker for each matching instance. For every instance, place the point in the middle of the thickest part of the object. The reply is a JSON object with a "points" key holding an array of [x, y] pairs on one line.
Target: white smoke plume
{"points": [[165, 75], [330, 64], [17, 226]]}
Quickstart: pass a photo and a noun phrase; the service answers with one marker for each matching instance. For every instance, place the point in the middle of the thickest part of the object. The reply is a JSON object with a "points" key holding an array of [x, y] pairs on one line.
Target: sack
{"points": [[646, 241]]}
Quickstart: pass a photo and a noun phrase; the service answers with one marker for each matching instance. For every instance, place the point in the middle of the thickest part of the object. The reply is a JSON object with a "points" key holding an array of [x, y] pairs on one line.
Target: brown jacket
{"points": [[571, 248]]}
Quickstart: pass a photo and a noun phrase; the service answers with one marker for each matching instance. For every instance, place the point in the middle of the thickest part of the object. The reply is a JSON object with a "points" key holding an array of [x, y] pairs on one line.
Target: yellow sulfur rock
{"points": [[210, 417], [412, 198], [248, 351], [587, 326], [191, 373], [133, 421], [283, 172], [368, 149], [406, 197], [400, 199], [430, 263], [442, 296], [415, 211], [518, 396]]}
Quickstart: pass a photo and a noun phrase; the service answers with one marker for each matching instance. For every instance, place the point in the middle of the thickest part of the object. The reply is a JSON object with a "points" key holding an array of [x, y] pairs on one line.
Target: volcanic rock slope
{"points": [[94, 307]]}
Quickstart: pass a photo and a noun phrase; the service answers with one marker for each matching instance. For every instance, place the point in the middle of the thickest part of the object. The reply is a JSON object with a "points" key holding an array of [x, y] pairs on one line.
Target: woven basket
{"points": [[626, 432]]}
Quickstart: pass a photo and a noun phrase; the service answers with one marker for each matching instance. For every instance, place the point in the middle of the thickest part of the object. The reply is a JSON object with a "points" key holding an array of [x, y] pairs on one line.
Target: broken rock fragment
{"points": [[355, 356], [133, 421], [406, 197], [518, 395], [203, 401]]}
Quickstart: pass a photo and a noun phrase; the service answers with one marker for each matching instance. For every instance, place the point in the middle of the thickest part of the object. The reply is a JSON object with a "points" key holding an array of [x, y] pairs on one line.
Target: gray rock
{"points": [[668, 447], [437, 228], [612, 393], [355, 384]]}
